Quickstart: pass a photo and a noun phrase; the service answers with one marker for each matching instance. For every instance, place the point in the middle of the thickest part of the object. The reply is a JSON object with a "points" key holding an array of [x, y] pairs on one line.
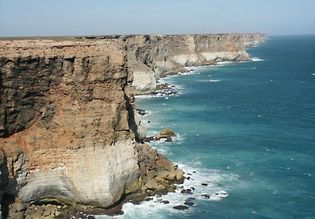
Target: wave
{"points": [[189, 72], [193, 69], [256, 59], [147, 96], [214, 81], [201, 181], [211, 81], [313, 74], [225, 63]]}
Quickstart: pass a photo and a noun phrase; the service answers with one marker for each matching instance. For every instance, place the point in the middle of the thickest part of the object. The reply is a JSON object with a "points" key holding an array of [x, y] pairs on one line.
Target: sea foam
{"points": [[213, 180], [256, 59]]}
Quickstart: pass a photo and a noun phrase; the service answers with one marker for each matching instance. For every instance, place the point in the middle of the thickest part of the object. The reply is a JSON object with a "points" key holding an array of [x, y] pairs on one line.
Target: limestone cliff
{"points": [[152, 57], [68, 130], [253, 39], [65, 109], [3, 176]]}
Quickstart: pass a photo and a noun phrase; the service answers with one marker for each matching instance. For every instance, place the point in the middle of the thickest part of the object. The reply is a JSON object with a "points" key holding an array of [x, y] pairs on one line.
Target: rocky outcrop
{"points": [[68, 129]]}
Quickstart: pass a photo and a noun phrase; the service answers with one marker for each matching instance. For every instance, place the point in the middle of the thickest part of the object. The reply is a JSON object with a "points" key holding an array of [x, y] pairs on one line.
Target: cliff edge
{"points": [[151, 57], [68, 132]]}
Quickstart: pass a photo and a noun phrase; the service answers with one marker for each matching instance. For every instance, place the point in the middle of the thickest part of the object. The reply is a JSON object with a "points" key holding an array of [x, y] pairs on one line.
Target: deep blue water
{"points": [[247, 128]]}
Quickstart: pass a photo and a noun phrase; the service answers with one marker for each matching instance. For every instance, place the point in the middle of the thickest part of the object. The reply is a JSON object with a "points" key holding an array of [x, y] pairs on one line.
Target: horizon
{"points": [[36, 18], [151, 34]]}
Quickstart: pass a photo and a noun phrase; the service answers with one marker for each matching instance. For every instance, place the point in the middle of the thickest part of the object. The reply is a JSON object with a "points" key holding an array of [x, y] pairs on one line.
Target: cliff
{"points": [[68, 130], [151, 57], [253, 39]]}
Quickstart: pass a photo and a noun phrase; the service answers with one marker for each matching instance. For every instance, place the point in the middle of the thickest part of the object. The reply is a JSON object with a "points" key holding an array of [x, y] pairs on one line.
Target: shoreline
{"points": [[160, 92], [197, 193], [93, 78]]}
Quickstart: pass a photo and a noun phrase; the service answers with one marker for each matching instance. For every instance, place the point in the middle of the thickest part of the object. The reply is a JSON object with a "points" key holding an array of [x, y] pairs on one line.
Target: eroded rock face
{"points": [[151, 57], [3, 178], [68, 128], [66, 120], [253, 39]]}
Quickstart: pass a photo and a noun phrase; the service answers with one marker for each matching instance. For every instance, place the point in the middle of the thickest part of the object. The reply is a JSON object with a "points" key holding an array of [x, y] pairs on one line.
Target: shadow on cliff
{"points": [[131, 115], [7, 187], [2, 111]]}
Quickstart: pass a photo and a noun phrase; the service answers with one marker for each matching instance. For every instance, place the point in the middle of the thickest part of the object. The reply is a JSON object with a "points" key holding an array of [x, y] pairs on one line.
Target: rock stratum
{"points": [[69, 132], [152, 57]]}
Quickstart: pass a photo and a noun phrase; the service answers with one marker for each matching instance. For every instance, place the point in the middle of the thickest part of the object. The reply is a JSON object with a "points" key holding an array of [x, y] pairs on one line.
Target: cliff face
{"points": [[253, 39], [152, 57], [66, 110], [3, 177], [68, 131]]}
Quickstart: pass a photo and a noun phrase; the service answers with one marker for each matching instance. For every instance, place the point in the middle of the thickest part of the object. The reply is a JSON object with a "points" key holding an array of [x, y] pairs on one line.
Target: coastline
{"points": [[242, 147], [45, 54], [200, 184], [197, 178]]}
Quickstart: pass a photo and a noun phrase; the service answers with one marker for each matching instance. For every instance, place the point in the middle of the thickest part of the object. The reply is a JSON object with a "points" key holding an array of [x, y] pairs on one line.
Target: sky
{"points": [[103, 17]]}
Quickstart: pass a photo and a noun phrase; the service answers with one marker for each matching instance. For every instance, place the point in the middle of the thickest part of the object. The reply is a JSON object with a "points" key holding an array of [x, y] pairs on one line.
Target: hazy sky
{"points": [[91, 17]]}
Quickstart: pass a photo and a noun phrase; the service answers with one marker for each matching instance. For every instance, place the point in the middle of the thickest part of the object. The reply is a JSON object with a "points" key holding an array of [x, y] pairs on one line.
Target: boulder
{"points": [[166, 133], [179, 175]]}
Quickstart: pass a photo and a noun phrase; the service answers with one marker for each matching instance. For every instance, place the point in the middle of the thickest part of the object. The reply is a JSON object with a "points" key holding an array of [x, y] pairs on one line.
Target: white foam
{"points": [[313, 74], [147, 96], [193, 69], [256, 59], [155, 209], [224, 63], [214, 81], [191, 72], [211, 81], [219, 195]]}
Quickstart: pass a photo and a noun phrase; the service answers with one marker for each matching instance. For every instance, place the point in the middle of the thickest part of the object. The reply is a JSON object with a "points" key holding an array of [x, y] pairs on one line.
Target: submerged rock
{"points": [[169, 139], [190, 199], [186, 191], [165, 202], [207, 196], [149, 139], [188, 203], [141, 112], [181, 207]]}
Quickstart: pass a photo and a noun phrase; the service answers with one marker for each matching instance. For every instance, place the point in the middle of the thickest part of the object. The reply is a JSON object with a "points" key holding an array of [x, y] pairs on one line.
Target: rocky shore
{"points": [[70, 137]]}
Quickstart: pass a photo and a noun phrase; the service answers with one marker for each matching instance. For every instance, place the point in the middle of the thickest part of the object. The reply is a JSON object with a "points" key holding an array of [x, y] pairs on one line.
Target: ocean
{"points": [[247, 129]]}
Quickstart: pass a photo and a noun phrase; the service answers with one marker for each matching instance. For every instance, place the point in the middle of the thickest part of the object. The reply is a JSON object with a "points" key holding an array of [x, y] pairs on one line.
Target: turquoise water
{"points": [[245, 128]]}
